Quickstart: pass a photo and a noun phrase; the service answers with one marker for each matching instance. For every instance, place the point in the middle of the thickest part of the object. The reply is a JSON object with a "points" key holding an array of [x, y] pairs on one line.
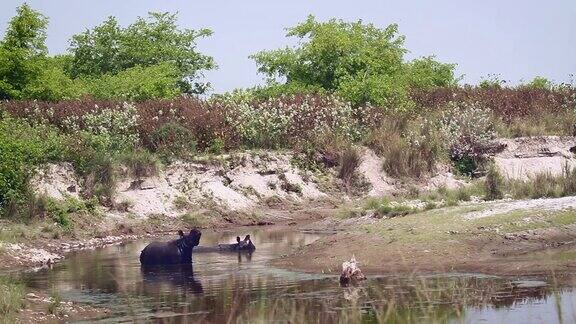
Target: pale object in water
{"points": [[350, 272]]}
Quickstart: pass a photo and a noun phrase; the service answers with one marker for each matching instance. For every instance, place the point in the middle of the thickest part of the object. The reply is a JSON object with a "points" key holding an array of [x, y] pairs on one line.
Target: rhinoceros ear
{"points": [[180, 233], [238, 239], [247, 238]]}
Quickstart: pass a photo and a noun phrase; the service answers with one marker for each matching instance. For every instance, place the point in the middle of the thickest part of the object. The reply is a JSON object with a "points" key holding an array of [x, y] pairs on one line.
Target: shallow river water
{"points": [[231, 288]]}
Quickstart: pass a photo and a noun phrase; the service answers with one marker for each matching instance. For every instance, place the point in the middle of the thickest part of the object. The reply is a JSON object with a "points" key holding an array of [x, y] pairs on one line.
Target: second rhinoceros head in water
{"points": [[244, 245]]}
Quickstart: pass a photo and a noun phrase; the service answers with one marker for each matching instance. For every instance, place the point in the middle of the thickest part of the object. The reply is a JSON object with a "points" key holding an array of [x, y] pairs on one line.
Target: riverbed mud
{"points": [[521, 241]]}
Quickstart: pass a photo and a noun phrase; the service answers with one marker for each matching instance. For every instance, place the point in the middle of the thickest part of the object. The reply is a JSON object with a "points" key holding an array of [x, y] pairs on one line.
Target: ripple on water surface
{"points": [[244, 288]]}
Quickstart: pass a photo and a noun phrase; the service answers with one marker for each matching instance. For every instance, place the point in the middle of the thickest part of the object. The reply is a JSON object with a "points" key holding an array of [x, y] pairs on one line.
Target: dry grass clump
{"points": [[545, 185], [410, 148], [11, 299], [542, 185], [349, 162], [494, 183]]}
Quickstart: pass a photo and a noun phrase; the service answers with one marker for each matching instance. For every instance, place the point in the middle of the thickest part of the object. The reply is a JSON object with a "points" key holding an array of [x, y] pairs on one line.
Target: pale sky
{"points": [[515, 39]]}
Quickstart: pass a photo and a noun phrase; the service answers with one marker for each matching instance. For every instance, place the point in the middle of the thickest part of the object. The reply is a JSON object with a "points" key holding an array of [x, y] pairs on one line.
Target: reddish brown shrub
{"points": [[507, 103], [206, 121]]}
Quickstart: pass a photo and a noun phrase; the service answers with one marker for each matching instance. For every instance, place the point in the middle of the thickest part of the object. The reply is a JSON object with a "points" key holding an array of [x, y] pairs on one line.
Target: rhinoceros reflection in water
{"points": [[180, 276]]}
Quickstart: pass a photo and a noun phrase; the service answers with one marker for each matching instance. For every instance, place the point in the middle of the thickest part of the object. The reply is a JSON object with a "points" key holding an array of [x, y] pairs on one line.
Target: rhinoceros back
{"points": [[160, 253]]}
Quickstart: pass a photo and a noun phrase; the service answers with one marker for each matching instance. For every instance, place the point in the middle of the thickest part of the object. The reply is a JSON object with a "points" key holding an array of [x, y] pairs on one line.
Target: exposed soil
{"points": [[525, 157], [505, 237], [40, 308], [459, 239], [377, 255]]}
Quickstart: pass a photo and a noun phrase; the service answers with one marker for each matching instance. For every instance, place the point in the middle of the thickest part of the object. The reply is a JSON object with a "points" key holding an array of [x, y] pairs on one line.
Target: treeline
{"points": [[154, 59], [150, 58]]}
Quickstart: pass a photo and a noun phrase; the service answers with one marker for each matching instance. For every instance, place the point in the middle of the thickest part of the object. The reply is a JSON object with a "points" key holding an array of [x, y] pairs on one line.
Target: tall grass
{"points": [[347, 170], [542, 185], [11, 299], [545, 185], [408, 148], [494, 183]]}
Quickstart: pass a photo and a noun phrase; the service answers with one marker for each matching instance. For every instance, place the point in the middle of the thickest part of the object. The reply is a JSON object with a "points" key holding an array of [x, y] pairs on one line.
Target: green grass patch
{"points": [[405, 205], [428, 226], [11, 299], [441, 224], [522, 220], [386, 208]]}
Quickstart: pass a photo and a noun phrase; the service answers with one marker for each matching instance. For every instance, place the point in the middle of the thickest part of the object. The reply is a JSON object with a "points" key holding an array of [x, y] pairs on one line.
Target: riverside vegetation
{"points": [[128, 96], [132, 99]]}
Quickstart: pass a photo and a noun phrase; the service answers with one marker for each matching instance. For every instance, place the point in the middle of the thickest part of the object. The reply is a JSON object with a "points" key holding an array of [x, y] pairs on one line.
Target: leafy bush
{"points": [[540, 83], [59, 212], [360, 62], [173, 139], [427, 73], [107, 129], [22, 148], [285, 121], [205, 122], [140, 163], [136, 83], [469, 130], [52, 83], [466, 165], [109, 49], [22, 51]]}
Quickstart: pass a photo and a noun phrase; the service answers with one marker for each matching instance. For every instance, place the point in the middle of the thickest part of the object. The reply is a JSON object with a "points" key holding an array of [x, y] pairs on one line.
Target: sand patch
{"points": [[56, 181], [525, 157]]}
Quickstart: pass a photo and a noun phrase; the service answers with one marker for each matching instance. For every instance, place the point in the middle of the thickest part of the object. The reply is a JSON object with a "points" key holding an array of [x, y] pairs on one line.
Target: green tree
{"points": [[358, 61], [109, 49], [22, 51], [540, 83], [137, 83], [426, 73], [492, 81]]}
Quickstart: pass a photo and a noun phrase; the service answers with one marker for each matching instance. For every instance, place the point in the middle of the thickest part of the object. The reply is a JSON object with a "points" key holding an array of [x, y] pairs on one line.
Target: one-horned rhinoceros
{"points": [[244, 245], [177, 251]]}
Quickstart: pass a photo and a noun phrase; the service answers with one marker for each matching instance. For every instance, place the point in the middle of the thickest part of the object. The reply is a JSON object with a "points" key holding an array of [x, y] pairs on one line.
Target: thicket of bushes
{"points": [[123, 95], [523, 110]]}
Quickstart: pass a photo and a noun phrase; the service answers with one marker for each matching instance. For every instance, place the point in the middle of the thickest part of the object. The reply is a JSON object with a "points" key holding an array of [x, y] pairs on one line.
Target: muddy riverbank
{"points": [[31, 246], [479, 238], [221, 288]]}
